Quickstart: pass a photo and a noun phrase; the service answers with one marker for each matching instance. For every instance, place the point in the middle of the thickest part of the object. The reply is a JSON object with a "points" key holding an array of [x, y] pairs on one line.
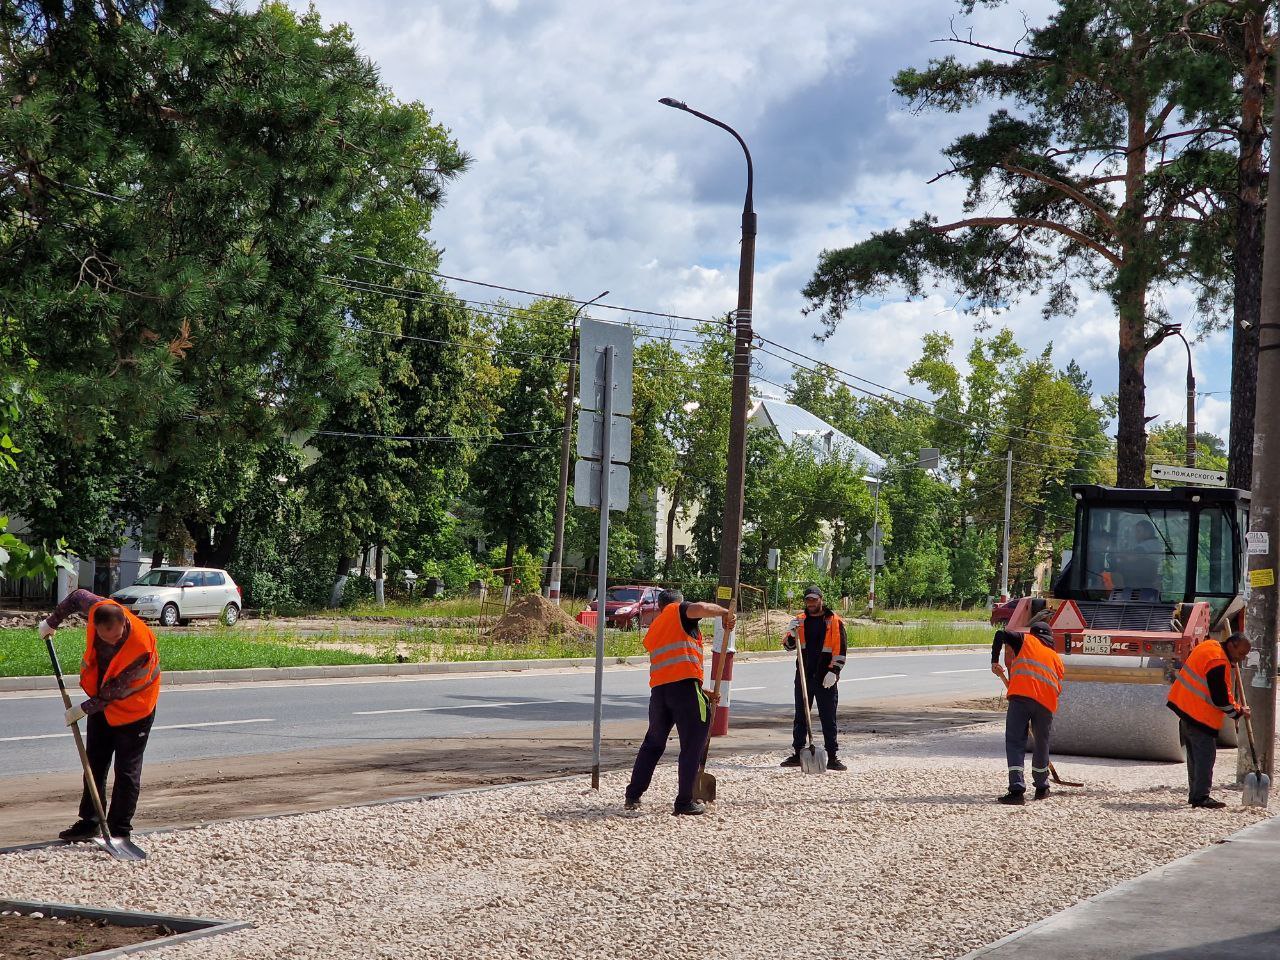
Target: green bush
{"points": [[357, 590]]}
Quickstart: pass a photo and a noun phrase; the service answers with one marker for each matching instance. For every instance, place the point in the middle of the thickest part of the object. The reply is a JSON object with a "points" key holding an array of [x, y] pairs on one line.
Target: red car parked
{"points": [[1002, 612], [628, 606]]}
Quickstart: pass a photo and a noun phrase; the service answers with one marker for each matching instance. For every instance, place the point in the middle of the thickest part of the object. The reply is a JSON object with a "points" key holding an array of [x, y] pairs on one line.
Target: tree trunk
{"points": [[1130, 297], [510, 562], [157, 556], [340, 579], [379, 580], [364, 560], [217, 552], [1250, 214]]}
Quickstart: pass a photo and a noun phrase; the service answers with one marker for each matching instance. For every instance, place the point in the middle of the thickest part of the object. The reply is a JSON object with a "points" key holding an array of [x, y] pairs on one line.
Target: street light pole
{"points": [[562, 496], [735, 481], [1175, 330]]}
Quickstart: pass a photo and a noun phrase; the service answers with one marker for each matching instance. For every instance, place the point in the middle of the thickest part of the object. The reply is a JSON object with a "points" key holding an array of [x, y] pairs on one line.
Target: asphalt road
{"points": [[201, 722]]}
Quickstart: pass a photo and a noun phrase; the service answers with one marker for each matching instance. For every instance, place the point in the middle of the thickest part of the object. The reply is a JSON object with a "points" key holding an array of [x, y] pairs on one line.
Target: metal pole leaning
{"points": [[602, 576]]}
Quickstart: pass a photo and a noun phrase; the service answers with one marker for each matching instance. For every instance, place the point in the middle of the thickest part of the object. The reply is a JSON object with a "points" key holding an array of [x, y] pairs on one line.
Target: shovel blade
{"points": [[121, 849], [1257, 789], [705, 788], [813, 760]]}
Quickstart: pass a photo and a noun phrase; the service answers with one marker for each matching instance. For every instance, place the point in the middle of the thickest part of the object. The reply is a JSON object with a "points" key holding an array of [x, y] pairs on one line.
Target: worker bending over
{"points": [[676, 696], [1201, 697], [1034, 683], [121, 674], [825, 647]]}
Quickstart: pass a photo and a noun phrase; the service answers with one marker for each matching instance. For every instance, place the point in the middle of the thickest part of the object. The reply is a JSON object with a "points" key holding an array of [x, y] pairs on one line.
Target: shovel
{"points": [[118, 847], [704, 788], [1257, 785], [813, 759]]}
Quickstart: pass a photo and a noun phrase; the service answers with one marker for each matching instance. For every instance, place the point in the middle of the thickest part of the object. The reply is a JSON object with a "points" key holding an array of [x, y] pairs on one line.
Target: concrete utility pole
{"points": [[552, 591], [735, 481], [1265, 510], [1175, 330], [1008, 510]]}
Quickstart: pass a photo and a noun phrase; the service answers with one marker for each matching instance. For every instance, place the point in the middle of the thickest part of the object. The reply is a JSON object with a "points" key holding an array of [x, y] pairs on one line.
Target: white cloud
{"points": [[583, 182]]}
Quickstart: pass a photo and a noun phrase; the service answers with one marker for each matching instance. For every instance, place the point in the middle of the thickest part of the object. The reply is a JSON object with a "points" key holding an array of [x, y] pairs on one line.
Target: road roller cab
{"points": [[1152, 573]]}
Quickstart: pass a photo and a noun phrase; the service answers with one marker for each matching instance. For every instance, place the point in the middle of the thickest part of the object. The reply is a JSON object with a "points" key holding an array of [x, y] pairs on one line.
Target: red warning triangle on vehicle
{"points": [[1068, 618]]}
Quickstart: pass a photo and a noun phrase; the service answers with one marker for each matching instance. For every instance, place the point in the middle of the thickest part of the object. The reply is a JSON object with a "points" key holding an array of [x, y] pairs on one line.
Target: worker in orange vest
{"points": [[1034, 684], [825, 647], [676, 696], [1201, 697], [121, 674]]}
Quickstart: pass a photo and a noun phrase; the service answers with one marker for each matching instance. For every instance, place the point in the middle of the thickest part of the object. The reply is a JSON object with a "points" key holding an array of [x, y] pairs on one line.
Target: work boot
{"points": [[80, 831], [834, 764], [1042, 793], [1209, 804], [694, 808], [1014, 798], [631, 805], [791, 761]]}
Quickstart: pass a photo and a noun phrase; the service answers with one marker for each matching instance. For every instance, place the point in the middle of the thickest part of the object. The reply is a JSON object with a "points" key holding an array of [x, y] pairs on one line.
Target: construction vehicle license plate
{"points": [[1095, 643]]}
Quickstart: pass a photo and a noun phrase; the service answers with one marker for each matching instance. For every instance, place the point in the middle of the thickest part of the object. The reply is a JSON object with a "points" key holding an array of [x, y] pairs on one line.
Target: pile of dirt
{"points": [[534, 618]]}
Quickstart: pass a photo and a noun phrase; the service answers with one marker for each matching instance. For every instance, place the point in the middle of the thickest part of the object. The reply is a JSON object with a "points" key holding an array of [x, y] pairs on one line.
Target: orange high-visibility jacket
{"points": [[830, 641], [673, 654], [1190, 690], [141, 701], [1037, 672]]}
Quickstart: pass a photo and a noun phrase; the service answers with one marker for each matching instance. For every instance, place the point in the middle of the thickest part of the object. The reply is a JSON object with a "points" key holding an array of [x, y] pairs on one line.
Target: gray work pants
{"points": [[1024, 711], [1202, 751]]}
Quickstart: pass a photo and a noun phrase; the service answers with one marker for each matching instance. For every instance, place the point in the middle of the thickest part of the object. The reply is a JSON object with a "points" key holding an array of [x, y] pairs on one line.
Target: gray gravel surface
{"points": [[905, 856]]}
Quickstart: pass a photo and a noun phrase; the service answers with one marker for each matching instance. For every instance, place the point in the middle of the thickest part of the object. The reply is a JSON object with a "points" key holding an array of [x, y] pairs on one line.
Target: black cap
{"points": [[1041, 630], [812, 591]]}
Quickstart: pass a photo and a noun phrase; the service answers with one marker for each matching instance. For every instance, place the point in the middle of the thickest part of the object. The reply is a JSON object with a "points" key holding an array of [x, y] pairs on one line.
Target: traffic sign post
{"points": [[1175, 474], [601, 479]]}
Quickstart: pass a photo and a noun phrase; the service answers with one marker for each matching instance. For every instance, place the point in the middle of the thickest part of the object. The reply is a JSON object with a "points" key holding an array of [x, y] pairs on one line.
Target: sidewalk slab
{"points": [[1219, 903], [173, 678]]}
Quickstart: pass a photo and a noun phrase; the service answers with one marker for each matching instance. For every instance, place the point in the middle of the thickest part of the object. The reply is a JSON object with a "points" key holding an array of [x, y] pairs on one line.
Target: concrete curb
{"points": [[363, 670]]}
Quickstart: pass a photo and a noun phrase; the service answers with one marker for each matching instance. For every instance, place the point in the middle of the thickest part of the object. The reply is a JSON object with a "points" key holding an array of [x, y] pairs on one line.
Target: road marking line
{"points": [[744, 689], [462, 706], [970, 670], [887, 676], [167, 726]]}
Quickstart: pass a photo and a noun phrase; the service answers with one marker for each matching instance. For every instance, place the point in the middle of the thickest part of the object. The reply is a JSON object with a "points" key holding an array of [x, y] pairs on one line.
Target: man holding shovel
{"points": [[1202, 698], [121, 674], [676, 697], [1034, 684], [826, 645]]}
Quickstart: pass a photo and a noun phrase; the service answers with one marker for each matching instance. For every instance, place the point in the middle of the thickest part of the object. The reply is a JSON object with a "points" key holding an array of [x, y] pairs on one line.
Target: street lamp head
{"points": [[673, 102]]}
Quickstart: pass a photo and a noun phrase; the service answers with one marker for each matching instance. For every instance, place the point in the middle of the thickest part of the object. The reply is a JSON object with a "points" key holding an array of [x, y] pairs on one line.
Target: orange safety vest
{"points": [[1037, 672], [141, 702], [673, 654], [830, 642], [1190, 690]]}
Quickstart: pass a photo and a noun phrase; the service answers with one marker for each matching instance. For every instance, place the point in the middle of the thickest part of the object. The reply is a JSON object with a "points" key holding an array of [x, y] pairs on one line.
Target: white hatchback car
{"points": [[174, 595]]}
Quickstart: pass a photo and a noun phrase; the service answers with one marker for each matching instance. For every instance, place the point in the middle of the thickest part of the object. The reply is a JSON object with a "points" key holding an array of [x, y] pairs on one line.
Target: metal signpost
{"points": [[602, 480]]}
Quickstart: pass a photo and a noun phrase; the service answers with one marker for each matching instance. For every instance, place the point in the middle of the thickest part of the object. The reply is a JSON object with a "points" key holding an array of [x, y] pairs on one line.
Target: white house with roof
{"points": [[792, 425]]}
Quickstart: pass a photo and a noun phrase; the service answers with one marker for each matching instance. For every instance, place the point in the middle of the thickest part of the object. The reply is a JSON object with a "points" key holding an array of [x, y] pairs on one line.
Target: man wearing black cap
{"points": [[825, 647], [1034, 683]]}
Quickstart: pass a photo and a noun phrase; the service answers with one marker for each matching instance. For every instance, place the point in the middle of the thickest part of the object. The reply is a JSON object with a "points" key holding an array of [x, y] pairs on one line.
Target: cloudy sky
{"points": [[582, 182]]}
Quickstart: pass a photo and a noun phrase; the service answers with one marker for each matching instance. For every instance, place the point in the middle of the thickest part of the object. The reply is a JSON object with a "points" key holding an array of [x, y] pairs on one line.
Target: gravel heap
{"points": [[905, 856], [20, 621], [534, 617]]}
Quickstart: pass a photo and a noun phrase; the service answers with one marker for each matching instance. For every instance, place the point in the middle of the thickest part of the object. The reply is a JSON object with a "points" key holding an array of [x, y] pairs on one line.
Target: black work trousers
{"points": [[681, 705], [125, 744], [826, 698], [1202, 751]]}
